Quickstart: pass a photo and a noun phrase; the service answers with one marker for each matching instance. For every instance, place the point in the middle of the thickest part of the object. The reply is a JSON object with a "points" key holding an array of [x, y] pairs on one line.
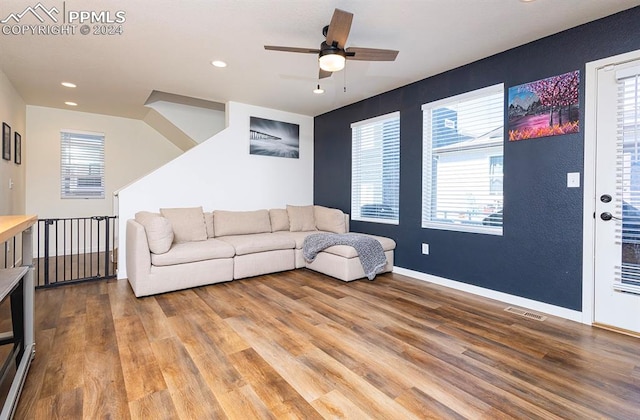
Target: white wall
{"points": [[221, 174], [12, 112], [12, 199], [198, 123], [132, 149]]}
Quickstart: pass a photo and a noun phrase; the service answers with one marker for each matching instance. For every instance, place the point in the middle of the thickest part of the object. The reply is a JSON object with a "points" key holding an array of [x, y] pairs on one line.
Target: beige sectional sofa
{"points": [[180, 248]]}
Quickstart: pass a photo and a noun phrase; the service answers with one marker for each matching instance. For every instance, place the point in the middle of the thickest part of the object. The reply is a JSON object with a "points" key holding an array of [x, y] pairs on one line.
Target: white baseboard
{"points": [[530, 304]]}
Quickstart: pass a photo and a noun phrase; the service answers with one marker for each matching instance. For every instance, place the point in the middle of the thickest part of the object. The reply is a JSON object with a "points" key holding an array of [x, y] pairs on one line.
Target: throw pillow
{"points": [[208, 220], [329, 220], [241, 222], [279, 220], [188, 223], [158, 229], [301, 218]]}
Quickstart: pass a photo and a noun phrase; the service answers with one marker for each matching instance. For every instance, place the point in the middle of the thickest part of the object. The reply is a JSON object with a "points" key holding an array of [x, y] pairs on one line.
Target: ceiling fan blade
{"points": [[292, 49], [324, 73], [339, 28], [370, 54]]}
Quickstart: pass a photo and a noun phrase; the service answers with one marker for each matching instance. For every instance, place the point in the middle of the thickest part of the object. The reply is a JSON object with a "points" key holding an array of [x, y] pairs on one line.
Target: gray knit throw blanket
{"points": [[369, 249]]}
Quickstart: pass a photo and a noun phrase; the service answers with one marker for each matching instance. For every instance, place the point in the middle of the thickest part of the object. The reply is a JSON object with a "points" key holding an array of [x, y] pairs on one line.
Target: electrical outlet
{"points": [[425, 249], [573, 180]]}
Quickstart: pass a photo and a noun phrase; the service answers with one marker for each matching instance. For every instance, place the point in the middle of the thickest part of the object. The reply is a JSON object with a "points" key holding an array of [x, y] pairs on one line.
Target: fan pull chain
{"points": [[344, 88]]}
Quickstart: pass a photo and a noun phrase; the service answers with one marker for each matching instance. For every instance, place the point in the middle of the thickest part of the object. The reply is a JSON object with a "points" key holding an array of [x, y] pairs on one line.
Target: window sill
{"points": [[459, 227], [373, 220]]}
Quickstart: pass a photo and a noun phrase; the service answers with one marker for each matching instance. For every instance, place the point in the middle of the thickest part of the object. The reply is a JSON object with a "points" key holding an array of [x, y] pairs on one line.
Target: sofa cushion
{"points": [[187, 222], [297, 237], [279, 220], [329, 220], [208, 222], [261, 242], [301, 218], [187, 252], [347, 251], [227, 223], [158, 230]]}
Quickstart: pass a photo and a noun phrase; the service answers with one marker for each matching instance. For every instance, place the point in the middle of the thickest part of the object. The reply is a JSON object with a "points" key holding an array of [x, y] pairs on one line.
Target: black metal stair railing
{"points": [[71, 250]]}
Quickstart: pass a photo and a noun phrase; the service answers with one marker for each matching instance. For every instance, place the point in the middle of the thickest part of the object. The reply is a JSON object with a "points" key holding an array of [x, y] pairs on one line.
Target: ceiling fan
{"points": [[332, 53]]}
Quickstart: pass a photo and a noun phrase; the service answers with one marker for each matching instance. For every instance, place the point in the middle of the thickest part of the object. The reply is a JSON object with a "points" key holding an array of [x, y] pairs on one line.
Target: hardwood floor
{"points": [[301, 345]]}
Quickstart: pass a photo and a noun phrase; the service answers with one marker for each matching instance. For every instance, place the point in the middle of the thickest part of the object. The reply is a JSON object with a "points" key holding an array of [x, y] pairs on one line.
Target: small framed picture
{"points": [[17, 148], [6, 141]]}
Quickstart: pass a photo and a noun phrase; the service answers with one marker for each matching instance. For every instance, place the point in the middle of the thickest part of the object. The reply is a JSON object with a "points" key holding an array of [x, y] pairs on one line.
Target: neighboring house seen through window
{"points": [[81, 164], [495, 175], [375, 181], [463, 161]]}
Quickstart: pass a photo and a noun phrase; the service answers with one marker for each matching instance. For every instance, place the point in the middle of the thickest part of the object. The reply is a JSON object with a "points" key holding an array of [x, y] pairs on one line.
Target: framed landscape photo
{"points": [[274, 138], [17, 148], [6, 141]]}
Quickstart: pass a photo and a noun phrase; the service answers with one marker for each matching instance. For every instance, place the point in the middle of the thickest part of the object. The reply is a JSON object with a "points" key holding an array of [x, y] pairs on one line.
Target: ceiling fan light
{"points": [[332, 61]]}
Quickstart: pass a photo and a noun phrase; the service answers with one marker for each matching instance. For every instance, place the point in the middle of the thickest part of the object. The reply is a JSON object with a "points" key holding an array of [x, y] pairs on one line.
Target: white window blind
{"points": [[462, 162], [627, 275], [375, 173], [81, 164]]}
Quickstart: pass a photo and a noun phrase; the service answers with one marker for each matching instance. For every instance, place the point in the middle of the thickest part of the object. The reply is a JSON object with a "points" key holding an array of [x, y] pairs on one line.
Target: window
{"points": [[462, 162], [627, 147], [81, 164], [495, 175], [375, 173]]}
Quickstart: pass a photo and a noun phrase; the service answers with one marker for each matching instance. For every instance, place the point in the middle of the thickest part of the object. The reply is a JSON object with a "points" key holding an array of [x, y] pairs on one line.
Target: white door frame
{"points": [[589, 190]]}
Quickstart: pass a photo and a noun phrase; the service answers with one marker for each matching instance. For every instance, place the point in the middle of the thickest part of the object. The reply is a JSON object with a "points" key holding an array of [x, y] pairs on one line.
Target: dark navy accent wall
{"points": [[540, 254]]}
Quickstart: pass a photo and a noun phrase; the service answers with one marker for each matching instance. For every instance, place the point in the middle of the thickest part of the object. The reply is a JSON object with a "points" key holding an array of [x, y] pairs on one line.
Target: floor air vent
{"points": [[525, 314]]}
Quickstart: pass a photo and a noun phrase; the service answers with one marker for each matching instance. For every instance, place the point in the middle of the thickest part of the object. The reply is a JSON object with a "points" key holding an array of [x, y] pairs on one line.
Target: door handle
{"points": [[606, 216]]}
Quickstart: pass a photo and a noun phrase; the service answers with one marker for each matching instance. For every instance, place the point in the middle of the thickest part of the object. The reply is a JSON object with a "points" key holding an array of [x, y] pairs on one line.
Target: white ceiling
{"points": [[167, 45]]}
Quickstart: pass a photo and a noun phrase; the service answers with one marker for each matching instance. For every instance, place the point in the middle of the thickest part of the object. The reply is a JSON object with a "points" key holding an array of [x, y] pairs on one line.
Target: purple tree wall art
{"points": [[547, 107]]}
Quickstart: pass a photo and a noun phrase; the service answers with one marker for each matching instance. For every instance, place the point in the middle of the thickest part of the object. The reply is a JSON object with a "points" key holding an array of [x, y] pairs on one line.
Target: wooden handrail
{"points": [[11, 226]]}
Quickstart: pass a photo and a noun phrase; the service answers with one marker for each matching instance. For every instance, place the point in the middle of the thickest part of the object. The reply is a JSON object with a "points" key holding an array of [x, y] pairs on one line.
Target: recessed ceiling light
{"points": [[71, 103], [318, 90], [68, 84], [219, 63]]}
